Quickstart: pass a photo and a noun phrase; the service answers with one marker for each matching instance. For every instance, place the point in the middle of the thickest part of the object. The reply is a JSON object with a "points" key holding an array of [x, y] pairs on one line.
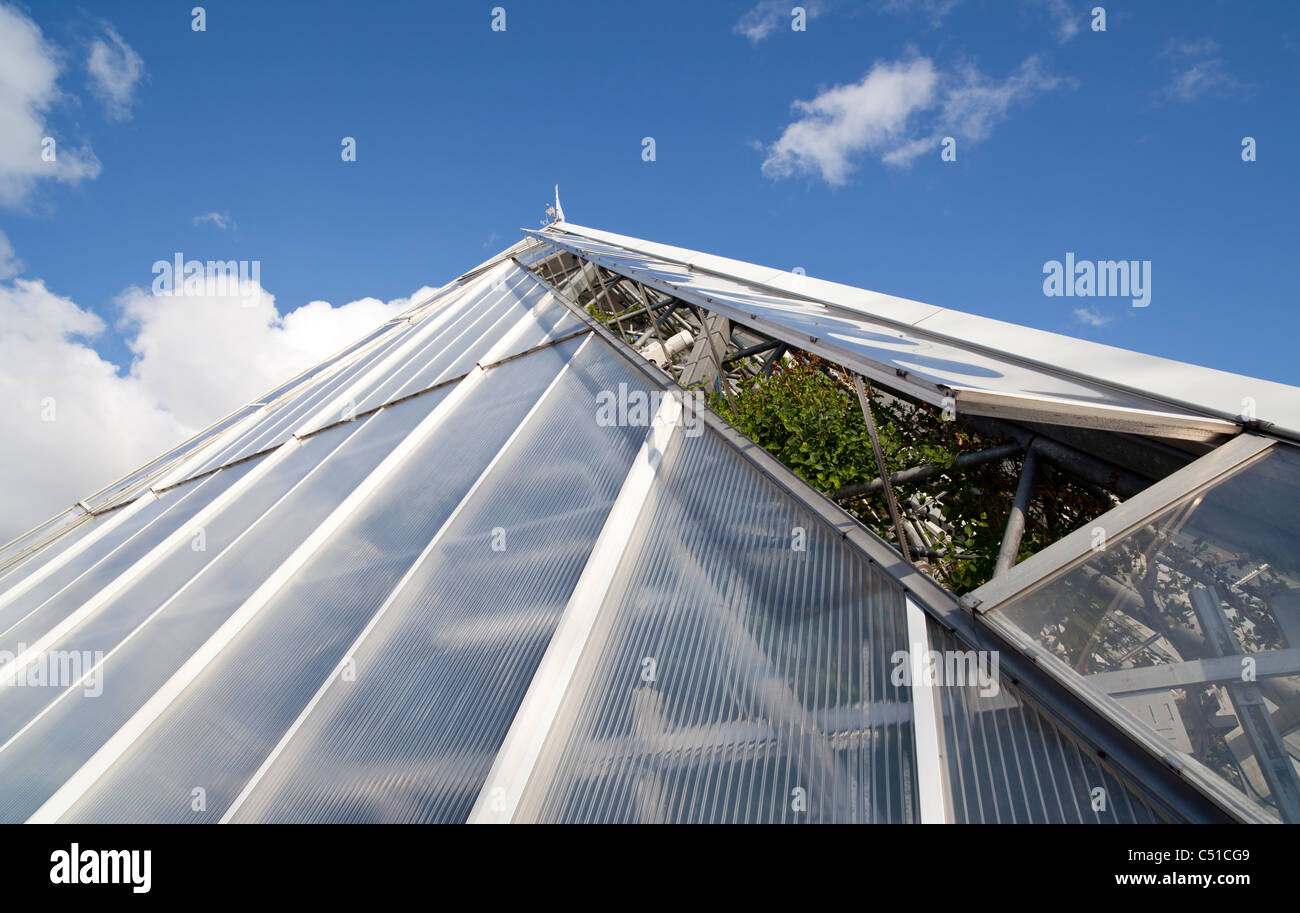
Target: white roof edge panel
{"points": [[927, 366], [1180, 384]]}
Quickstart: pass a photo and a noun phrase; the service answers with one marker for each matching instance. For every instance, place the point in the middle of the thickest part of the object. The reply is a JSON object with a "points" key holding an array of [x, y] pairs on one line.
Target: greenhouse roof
{"points": [[436, 578]]}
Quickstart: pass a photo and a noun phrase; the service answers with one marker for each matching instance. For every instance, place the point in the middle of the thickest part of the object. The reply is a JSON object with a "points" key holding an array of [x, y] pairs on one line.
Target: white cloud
{"points": [[9, 264], [115, 72], [1198, 70], [934, 10], [203, 355], [1201, 78], [1182, 47], [1064, 15], [846, 120], [1091, 317], [29, 70], [221, 220], [102, 424], [195, 360], [771, 15], [898, 111]]}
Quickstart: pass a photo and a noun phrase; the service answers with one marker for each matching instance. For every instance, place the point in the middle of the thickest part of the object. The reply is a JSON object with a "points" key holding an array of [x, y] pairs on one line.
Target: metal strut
{"points": [[1019, 512], [894, 514]]}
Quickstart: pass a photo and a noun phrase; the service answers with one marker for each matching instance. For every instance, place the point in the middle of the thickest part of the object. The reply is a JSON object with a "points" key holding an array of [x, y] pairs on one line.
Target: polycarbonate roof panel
{"points": [[38, 545], [1009, 763], [31, 608], [744, 675], [457, 644], [291, 414], [155, 624], [545, 494], [232, 426], [990, 367]]}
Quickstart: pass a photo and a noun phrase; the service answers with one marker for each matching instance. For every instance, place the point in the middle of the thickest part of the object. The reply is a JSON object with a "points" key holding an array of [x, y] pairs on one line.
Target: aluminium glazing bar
{"points": [[934, 796], [580, 626]]}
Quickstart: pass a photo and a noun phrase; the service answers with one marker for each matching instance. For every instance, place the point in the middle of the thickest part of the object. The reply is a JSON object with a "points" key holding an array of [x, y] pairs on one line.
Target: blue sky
{"points": [[1117, 144]]}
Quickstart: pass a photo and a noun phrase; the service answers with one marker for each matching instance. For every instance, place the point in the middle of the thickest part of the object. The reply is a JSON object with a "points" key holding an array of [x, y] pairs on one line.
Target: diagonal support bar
{"points": [[883, 469], [1019, 512]]}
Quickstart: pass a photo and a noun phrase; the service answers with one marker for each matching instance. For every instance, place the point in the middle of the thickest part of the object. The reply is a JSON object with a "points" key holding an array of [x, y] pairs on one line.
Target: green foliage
{"points": [[808, 417], [803, 418]]}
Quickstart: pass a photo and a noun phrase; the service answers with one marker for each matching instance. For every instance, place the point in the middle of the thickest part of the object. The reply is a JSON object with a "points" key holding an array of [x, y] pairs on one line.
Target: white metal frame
{"points": [[1206, 391], [1063, 554], [935, 800]]}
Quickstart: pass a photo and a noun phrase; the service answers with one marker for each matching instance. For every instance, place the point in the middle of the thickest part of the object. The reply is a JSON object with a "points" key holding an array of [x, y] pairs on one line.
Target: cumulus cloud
{"points": [[203, 355], [221, 220], [10, 265], [898, 111], [1091, 317], [29, 71], [75, 422], [770, 15], [1197, 70], [70, 424], [846, 120], [115, 72]]}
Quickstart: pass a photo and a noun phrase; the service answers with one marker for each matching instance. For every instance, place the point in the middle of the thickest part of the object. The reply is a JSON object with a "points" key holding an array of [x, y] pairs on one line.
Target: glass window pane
{"points": [[1191, 622]]}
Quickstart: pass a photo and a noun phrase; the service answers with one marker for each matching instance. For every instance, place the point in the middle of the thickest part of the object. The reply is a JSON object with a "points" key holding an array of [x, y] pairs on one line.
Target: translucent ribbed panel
{"points": [[21, 549], [301, 382], [739, 670], [154, 472], [152, 627], [515, 294], [475, 328], [469, 325], [1007, 763], [440, 676], [221, 730], [292, 394], [19, 706], [280, 422], [54, 531], [22, 566], [552, 320], [30, 614]]}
